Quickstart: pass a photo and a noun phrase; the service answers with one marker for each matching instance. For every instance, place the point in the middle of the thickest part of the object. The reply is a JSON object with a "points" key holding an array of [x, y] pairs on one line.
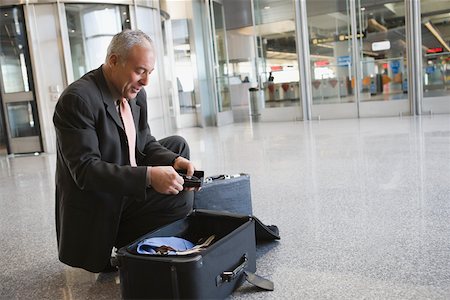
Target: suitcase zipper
{"points": [[221, 177]]}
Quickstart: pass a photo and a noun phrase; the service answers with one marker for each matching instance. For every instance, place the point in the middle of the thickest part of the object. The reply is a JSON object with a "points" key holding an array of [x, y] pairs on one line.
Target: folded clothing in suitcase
{"points": [[214, 272], [232, 193]]}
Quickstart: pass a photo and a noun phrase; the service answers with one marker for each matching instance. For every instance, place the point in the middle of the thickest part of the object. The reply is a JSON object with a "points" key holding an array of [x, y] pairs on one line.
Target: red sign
{"points": [[276, 68], [321, 63], [435, 50]]}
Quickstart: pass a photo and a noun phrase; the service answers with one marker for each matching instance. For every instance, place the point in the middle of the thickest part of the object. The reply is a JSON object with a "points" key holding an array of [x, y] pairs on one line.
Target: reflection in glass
{"points": [[3, 136], [21, 119], [333, 80], [184, 70], [13, 51], [277, 52], [382, 41], [436, 48], [91, 28]]}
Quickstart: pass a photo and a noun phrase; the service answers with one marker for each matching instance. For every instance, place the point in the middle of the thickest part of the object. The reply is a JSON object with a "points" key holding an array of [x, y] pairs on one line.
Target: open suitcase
{"points": [[213, 273]]}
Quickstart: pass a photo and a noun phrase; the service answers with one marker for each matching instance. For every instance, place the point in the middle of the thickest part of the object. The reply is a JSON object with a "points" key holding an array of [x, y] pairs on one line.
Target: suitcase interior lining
{"points": [[195, 228]]}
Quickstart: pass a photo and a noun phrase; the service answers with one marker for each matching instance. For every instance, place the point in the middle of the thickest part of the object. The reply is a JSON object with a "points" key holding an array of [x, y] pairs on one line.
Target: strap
{"points": [[258, 281], [252, 278], [265, 232]]}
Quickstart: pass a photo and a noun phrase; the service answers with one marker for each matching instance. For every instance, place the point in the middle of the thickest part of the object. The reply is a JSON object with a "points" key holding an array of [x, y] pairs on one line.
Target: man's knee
{"points": [[176, 144]]}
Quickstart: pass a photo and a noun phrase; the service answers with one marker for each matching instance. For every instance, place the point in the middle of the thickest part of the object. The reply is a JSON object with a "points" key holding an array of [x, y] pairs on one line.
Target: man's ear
{"points": [[113, 60]]}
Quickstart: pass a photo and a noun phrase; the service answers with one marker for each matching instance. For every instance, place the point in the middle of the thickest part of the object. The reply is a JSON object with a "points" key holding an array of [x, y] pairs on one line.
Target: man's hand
{"points": [[182, 163], [165, 180]]}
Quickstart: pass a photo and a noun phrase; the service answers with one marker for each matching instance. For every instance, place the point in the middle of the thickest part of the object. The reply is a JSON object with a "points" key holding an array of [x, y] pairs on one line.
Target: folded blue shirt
{"points": [[150, 245]]}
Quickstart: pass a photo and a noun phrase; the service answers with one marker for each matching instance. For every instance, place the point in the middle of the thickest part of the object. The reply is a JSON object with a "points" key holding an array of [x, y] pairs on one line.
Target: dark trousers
{"points": [[141, 217]]}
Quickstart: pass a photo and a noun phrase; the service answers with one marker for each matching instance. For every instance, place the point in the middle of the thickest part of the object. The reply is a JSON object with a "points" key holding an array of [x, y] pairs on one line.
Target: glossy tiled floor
{"points": [[363, 208]]}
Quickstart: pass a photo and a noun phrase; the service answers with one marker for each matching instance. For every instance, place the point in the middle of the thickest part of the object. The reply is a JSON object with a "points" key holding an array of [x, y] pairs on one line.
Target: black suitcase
{"points": [[213, 273], [232, 193]]}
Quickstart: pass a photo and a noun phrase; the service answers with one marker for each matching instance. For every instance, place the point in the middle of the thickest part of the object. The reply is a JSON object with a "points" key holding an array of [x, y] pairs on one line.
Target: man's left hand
{"points": [[182, 163]]}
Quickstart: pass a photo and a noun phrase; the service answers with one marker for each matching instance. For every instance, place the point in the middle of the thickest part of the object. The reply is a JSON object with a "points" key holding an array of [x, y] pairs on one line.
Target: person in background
{"points": [[114, 180]]}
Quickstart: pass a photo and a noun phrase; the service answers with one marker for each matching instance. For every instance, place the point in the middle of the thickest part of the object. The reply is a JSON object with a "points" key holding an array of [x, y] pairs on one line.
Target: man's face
{"points": [[132, 73]]}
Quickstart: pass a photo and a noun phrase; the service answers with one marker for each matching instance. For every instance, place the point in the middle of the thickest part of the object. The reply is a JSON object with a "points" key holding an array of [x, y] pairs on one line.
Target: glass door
{"points": [[178, 28], [358, 58], [16, 85], [277, 62], [381, 35], [184, 70], [331, 60], [221, 63], [436, 56]]}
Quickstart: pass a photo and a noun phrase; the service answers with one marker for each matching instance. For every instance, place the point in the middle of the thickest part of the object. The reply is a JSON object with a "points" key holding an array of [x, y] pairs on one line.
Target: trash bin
{"points": [[256, 103]]}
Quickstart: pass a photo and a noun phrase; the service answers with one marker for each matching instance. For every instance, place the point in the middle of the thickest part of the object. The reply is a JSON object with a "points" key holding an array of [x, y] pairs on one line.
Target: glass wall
{"points": [[90, 28], [436, 48], [14, 52]]}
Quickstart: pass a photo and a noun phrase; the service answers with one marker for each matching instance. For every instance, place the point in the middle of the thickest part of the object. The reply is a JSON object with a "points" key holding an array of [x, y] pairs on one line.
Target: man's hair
{"points": [[122, 42]]}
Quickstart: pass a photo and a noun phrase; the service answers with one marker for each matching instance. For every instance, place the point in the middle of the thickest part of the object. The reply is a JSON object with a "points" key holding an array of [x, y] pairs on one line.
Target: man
{"points": [[114, 181]]}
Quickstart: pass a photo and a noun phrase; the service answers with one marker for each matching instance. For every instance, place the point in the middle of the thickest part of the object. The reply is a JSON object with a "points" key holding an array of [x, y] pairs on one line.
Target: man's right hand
{"points": [[166, 180]]}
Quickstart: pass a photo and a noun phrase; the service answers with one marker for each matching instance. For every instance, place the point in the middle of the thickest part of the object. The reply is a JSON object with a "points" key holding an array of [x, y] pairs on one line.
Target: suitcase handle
{"points": [[228, 276]]}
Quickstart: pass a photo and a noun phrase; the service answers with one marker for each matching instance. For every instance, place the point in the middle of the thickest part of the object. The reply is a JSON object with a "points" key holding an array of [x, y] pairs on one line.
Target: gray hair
{"points": [[122, 42]]}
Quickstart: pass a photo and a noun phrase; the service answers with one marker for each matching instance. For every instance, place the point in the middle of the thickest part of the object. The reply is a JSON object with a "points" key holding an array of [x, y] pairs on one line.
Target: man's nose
{"points": [[145, 79]]}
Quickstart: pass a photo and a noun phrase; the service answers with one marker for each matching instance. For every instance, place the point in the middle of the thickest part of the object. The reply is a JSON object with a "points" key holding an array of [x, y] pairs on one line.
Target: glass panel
{"points": [[221, 63], [21, 119], [382, 41], [3, 136], [330, 48], [14, 55], [91, 28], [436, 48], [277, 52], [184, 69]]}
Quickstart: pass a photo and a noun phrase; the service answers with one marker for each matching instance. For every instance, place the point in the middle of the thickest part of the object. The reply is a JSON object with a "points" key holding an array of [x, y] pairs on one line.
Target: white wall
{"points": [[47, 64]]}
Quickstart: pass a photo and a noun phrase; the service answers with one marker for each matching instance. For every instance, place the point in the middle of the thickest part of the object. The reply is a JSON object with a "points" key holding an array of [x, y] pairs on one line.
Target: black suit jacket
{"points": [[93, 173]]}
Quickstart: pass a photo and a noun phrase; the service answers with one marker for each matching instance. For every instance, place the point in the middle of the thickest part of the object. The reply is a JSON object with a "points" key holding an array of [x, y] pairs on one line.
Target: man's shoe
{"points": [[109, 269]]}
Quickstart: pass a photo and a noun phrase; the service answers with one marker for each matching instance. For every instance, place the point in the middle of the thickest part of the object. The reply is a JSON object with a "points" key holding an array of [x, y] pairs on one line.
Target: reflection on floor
{"points": [[363, 208]]}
